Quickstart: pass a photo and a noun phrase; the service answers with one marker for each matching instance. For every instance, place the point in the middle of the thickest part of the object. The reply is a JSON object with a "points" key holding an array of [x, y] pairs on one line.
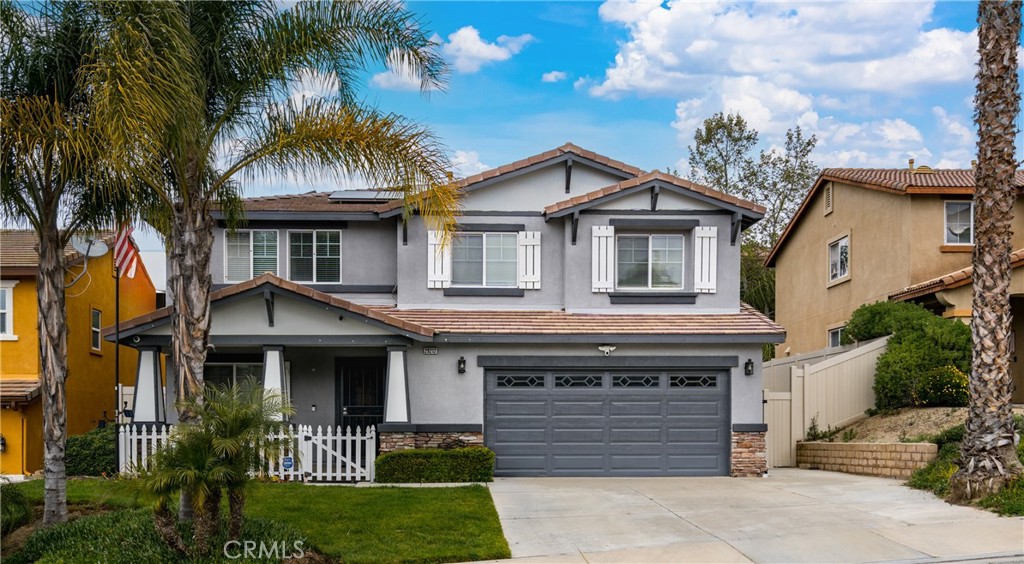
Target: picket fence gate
{"points": [[329, 454]]}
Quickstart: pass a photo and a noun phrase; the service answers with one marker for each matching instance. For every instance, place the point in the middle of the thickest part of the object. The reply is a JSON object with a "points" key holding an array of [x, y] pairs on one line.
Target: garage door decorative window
{"points": [[578, 381], [693, 381], [635, 381], [521, 381]]}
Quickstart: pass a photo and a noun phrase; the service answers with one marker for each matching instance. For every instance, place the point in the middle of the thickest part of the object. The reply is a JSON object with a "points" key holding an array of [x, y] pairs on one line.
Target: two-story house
{"points": [[585, 320], [867, 235], [89, 302]]}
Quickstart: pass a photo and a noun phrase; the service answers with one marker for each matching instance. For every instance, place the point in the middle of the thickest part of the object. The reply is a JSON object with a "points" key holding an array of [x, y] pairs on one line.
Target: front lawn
{"points": [[351, 524]]}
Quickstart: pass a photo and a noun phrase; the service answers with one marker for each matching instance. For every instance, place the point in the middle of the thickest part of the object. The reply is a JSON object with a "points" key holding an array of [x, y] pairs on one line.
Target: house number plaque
{"points": [[429, 350]]}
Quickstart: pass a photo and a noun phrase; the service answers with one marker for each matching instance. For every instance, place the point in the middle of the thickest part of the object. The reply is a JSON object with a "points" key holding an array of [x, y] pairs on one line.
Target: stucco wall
{"points": [[534, 190]]}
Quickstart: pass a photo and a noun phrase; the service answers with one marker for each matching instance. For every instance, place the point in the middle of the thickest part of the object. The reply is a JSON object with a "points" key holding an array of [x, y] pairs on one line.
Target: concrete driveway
{"points": [[791, 516]]}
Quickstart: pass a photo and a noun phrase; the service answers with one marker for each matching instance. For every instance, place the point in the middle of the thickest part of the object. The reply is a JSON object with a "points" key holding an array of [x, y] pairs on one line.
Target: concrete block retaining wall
{"points": [[891, 460]]}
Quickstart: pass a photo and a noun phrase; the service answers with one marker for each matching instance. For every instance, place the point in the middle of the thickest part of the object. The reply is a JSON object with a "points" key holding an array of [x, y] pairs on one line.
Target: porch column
{"points": [[396, 399], [149, 396], [273, 371]]}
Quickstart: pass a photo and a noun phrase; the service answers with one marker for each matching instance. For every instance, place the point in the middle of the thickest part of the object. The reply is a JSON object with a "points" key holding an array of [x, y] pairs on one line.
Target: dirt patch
{"points": [[16, 540], [907, 423]]}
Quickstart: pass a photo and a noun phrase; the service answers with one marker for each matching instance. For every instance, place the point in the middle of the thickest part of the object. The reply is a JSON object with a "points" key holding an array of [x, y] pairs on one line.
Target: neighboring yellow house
{"points": [[90, 383], [867, 235]]}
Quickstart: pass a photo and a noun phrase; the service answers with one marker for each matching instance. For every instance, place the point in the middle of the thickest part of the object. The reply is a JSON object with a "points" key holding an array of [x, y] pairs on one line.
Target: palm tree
{"points": [[988, 457], [55, 176], [240, 120]]}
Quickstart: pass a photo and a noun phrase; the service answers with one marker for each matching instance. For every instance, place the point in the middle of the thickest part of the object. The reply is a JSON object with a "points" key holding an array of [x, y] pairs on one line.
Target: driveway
{"points": [[791, 516]]}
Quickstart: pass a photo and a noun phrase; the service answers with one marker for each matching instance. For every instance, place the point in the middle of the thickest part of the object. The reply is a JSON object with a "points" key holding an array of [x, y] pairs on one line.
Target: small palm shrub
{"points": [[15, 510]]}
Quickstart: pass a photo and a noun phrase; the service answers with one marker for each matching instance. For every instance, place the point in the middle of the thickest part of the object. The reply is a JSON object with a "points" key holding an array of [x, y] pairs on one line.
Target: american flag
{"points": [[126, 258]]}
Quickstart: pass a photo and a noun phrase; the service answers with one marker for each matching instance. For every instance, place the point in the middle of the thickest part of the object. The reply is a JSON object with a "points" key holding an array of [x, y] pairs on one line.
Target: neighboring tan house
{"points": [[90, 381], [585, 321], [867, 235]]}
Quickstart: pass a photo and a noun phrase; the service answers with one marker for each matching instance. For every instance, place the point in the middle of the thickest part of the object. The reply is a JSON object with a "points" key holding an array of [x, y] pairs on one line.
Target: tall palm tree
{"points": [[241, 119], [988, 456], [55, 176]]}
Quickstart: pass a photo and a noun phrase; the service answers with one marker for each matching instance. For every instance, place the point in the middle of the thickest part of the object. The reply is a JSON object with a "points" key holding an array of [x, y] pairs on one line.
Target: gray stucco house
{"points": [[585, 321]]}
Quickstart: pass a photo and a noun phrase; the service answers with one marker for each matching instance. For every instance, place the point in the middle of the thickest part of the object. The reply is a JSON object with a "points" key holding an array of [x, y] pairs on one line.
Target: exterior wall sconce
{"points": [[462, 365], [3, 443], [748, 367]]}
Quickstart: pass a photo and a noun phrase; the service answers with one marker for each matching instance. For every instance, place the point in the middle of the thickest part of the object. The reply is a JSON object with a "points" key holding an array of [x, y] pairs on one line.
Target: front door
{"points": [[359, 391]]}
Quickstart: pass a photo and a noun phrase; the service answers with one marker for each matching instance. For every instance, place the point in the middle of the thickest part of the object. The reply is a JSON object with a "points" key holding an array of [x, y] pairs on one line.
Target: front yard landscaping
{"points": [[342, 523]]}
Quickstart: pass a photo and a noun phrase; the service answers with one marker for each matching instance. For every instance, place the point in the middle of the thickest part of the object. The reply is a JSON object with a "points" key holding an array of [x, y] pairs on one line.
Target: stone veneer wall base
{"points": [[749, 455], [392, 441]]}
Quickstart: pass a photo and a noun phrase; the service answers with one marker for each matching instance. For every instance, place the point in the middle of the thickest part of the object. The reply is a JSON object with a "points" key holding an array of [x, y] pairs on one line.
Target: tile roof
{"points": [[535, 159], [19, 248], [643, 179], [747, 321], [18, 390], [271, 279], [309, 202], [921, 180], [948, 281]]}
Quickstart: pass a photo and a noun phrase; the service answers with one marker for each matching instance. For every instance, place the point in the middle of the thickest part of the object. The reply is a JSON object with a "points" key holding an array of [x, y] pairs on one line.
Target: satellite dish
{"points": [[89, 247]]}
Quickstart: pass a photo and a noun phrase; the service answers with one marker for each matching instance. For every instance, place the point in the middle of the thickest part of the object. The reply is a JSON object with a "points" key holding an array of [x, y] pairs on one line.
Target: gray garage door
{"points": [[608, 422]]}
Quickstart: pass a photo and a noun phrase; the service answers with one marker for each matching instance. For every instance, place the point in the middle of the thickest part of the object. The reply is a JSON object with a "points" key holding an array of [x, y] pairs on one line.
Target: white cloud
{"points": [[468, 163], [394, 80], [954, 127], [554, 76], [469, 52]]}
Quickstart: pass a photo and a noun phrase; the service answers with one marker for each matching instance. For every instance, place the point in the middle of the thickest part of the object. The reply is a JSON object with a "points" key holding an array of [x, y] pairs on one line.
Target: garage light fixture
{"points": [[748, 367], [462, 365]]}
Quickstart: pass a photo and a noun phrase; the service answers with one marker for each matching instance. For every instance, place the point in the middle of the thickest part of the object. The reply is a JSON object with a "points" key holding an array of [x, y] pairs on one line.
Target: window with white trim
{"points": [[839, 258], [959, 223], [96, 329], [249, 254], [649, 262], [7, 309], [228, 374], [314, 257], [485, 259], [835, 337]]}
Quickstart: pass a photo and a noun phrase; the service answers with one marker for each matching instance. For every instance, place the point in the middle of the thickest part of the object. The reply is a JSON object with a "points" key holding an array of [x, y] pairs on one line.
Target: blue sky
{"points": [[878, 83]]}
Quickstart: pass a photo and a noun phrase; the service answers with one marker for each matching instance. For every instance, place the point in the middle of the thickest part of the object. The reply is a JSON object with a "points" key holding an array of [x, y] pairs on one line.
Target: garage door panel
{"points": [[632, 424]]}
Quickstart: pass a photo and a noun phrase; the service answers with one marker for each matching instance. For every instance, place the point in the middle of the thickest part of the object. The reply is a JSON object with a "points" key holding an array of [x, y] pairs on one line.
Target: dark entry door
{"points": [[359, 391]]}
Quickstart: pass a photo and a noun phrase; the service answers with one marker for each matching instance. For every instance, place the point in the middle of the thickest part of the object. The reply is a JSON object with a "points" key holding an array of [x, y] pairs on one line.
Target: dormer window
{"points": [[959, 223], [249, 254]]}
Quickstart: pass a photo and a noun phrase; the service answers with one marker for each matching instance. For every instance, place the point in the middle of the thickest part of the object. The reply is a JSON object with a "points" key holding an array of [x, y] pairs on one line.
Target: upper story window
{"points": [[96, 330], [839, 258], [484, 259], [959, 223], [648, 262], [314, 256], [249, 254], [7, 310]]}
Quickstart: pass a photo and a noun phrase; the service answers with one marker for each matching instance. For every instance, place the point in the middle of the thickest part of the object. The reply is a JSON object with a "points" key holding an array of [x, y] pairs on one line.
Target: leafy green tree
{"points": [[988, 458], [235, 118], [720, 153], [778, 180]]}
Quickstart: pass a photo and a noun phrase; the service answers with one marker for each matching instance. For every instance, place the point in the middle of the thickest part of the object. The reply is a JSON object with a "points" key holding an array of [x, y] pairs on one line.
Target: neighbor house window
{"points": [[649, 261], [229, 374], [959, 223], [839, 258], [7, 309], [314, 256], [484, 259], [835, 337], [249, 254], [96, 329]]}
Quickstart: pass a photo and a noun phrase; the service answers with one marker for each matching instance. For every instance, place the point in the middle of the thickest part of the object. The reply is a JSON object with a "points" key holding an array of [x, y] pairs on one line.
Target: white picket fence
{"points": [[324, 455]]}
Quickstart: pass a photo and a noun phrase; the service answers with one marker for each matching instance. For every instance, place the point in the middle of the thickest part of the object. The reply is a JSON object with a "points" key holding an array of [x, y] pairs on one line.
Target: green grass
{"points": [[388, 524], [351, 524]]}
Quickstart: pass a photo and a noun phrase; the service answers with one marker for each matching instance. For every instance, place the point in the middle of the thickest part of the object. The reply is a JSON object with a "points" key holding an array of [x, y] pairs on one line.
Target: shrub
{"points": [[430, 465], [93, 453], [935, 476], [129, 537], [920, 342], [945, 386], [15, 509]]}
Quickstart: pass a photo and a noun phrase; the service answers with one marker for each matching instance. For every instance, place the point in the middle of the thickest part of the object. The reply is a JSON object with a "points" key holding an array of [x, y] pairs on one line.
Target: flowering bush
{"points": [[945, 386]]}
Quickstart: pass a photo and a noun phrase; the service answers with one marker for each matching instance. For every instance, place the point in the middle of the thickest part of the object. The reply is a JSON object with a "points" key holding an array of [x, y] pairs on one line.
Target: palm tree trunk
{"points": [[167, 528], [988, 456], [236, 504], [188, 283], [53, 349]]}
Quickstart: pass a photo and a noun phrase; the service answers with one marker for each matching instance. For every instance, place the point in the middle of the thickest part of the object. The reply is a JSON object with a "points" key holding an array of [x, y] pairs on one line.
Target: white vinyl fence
{"points": [[324, 455], [834, 392]]}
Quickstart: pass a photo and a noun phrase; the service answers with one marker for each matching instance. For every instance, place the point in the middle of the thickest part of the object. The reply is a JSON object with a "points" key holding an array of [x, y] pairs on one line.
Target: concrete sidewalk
{"points": [[791, 516]]}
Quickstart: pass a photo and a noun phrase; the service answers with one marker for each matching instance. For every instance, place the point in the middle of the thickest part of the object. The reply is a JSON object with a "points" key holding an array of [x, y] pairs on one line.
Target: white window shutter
{"points": [[529, 259], [603, 258], [439, 261], [705, 260]]}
